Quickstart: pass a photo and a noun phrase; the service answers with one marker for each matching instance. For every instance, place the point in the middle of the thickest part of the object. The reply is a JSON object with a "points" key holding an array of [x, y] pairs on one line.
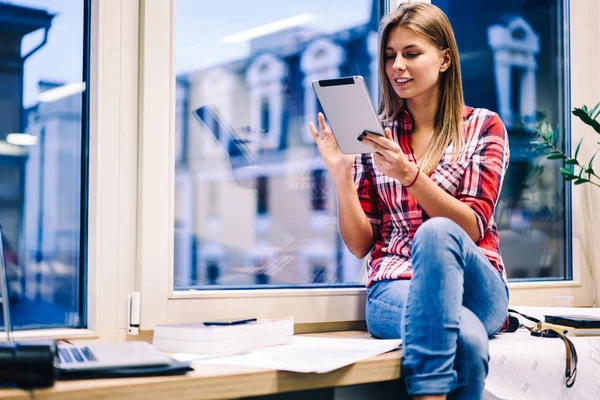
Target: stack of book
{"points": [[222, 340]]}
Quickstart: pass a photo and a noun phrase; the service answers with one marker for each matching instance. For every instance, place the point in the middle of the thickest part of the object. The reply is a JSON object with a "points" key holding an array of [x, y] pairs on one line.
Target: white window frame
{"points": [[112, 184], [161, 304]]}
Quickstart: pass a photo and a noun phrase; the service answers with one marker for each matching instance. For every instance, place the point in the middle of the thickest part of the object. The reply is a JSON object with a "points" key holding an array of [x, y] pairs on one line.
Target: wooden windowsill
{"points": [[222, 382]]}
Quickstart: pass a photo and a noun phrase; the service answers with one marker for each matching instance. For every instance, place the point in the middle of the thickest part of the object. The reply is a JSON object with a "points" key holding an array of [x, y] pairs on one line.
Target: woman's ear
{"points": [[445, 60]]}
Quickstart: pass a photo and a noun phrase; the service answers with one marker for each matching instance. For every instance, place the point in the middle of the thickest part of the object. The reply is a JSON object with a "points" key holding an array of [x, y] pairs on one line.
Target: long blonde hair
{"points": [[427, 20]]}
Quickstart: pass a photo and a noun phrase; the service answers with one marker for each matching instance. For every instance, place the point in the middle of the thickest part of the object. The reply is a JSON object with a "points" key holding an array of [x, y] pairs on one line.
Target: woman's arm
{"points": [[476, 198], [438, 203], [356, 230], [355, 226]]}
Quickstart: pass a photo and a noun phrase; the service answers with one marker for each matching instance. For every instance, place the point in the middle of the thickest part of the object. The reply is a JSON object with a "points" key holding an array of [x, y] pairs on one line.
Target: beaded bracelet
{"points": [[414, 180]]}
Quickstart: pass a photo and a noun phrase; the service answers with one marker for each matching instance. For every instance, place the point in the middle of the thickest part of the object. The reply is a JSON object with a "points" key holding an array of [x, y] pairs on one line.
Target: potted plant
{"points": [[574, 170]]}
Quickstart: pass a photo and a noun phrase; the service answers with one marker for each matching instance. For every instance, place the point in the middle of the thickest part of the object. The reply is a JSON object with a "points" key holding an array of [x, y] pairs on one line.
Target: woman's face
{"points": [[413, 64]]}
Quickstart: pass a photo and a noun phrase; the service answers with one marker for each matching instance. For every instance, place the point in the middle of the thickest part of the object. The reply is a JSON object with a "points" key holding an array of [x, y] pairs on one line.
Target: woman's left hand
{"points": [[389, 157]]}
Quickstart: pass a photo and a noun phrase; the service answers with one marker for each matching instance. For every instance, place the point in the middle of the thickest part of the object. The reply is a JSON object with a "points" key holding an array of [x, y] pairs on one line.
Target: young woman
{"points": [[423, 205]]}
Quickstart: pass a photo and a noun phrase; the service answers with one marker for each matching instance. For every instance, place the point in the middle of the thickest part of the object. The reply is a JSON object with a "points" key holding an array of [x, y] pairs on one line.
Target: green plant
{"points": [[574, 169]]}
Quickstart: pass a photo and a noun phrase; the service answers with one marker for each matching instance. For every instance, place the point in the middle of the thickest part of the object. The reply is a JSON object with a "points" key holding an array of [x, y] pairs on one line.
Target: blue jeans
{"points": [[444, 314]]}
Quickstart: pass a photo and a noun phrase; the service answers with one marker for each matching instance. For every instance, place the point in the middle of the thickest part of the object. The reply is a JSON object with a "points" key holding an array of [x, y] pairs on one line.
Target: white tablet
{"points": [[348, 109]]}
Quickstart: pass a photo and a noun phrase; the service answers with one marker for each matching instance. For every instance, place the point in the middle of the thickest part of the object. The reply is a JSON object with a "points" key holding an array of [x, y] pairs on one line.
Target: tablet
{"points": [[348, 109]]}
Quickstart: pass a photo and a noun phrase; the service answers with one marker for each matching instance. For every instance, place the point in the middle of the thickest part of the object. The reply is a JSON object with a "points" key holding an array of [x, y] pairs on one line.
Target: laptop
{"points": [[89, 357]]}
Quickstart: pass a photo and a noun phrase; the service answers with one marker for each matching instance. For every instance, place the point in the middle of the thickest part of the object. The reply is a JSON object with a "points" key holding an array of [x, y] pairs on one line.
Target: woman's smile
{"points": [[401, 82]]}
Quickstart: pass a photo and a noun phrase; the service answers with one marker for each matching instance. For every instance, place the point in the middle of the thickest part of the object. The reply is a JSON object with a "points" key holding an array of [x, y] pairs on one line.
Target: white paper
{"points": [[310, 354], [528, 367]]}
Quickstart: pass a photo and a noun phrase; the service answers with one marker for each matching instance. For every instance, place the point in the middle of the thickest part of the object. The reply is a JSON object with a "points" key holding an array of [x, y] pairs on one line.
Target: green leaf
{"points": [[578, 147], [570, 177], [583, 116], [566, 171], [545, 131], [572, 161], [556, 156], [580, 181], [591, 163], [540, 115], [591, 113]]}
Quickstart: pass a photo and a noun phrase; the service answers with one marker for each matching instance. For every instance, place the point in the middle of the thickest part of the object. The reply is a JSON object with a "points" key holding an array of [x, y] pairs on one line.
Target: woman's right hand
{"points": [[338, 164]]}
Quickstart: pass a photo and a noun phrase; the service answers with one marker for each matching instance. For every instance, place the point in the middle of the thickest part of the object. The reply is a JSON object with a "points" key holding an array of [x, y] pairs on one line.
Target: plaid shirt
{"points": [[475, 179]]}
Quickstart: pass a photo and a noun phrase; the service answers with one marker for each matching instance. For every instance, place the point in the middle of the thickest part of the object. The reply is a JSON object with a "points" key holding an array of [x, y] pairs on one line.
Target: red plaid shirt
{"points": [[475, 179]]}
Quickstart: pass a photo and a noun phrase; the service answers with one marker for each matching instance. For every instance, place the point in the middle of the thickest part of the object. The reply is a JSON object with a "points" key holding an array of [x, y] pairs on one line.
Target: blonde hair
{"points": [[427, 20]]}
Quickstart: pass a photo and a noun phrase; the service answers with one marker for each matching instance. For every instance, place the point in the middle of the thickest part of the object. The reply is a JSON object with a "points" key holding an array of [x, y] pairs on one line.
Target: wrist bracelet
{"points": [[414, 180]]}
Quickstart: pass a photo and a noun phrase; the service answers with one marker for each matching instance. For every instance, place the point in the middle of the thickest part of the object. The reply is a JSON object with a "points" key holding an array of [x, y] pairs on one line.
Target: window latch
{"points": [[133, 313]]}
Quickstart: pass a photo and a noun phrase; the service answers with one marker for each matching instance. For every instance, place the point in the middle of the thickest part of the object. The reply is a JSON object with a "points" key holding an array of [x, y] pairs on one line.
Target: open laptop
{"points": [[89, 357]]}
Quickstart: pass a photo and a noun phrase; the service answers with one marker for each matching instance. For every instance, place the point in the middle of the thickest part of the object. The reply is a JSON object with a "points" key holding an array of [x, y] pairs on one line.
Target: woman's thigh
{"points": [[385, 302]]}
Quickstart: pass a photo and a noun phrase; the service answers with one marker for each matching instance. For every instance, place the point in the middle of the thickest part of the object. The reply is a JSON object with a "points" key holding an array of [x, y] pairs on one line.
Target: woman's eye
{"points": [[390, 57], [412, 55]]}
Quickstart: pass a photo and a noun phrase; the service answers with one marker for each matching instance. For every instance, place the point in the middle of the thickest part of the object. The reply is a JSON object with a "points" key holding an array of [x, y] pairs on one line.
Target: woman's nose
{"points": [[399, 63]]}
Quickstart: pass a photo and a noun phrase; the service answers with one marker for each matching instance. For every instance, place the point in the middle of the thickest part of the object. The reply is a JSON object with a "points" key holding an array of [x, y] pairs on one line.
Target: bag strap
{"points": [[540, 330]]}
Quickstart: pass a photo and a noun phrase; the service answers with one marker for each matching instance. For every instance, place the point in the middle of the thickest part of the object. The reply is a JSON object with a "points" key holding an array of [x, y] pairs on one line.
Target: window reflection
{"points": [[40, 178], [254, 203], [513, 61]]}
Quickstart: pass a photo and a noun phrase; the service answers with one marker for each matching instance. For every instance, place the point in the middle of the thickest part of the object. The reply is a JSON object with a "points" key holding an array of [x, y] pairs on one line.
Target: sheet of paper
{"points": [[310, 354], [527, 367]]}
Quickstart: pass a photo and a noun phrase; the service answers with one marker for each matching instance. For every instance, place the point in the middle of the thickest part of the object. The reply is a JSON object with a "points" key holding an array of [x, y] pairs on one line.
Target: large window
{"points": [[234, 196], [513, 61], [253, 202], [43, 158]]}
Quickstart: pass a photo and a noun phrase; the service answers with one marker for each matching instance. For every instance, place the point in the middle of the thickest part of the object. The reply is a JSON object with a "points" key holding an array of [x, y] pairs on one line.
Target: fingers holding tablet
{"points": [[347, 104]]}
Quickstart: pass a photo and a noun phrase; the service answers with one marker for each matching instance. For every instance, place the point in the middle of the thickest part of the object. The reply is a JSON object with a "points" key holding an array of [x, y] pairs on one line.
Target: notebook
{"points": [[91, 357]]}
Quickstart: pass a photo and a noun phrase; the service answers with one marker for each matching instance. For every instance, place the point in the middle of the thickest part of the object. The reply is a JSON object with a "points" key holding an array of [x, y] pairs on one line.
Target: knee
{"points": [[433, 233], [436, 229]]}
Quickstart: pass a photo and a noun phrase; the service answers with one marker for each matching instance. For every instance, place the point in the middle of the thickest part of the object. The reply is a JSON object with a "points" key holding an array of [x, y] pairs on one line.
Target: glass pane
{"points": [[41, 142], [513, 61], [254, 204]]}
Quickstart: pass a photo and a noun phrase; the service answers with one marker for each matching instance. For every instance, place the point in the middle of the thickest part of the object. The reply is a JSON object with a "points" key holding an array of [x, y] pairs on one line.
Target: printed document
{"points": [[310, 354]]}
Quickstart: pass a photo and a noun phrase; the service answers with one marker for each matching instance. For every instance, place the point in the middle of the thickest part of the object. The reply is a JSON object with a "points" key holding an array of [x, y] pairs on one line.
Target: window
{"points": [[43, 159], [255, 283], [266, 100], [514, 61]]}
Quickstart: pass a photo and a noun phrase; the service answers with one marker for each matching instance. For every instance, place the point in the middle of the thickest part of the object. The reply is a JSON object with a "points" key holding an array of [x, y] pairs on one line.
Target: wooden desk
{"points": [[222, 382]]}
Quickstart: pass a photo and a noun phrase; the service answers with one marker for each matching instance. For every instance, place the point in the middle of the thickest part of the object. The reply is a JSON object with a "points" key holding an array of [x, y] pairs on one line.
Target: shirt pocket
{"points": [[449, 175]]}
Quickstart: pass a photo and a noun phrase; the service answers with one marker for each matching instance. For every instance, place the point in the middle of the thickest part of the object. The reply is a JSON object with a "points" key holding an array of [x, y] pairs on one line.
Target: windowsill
{"points": [[224, 382], [61, 333], [210, 381], [543, 284], [267, 293]]}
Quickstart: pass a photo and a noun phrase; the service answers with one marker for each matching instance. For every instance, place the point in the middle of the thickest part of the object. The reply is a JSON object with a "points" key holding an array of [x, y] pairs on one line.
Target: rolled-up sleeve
{"points": [[365, 188], [483, 178]]}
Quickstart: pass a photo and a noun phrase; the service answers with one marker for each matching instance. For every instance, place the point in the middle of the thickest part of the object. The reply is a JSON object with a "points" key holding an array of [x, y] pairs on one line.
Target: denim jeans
{"points": [[444, 314]]}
